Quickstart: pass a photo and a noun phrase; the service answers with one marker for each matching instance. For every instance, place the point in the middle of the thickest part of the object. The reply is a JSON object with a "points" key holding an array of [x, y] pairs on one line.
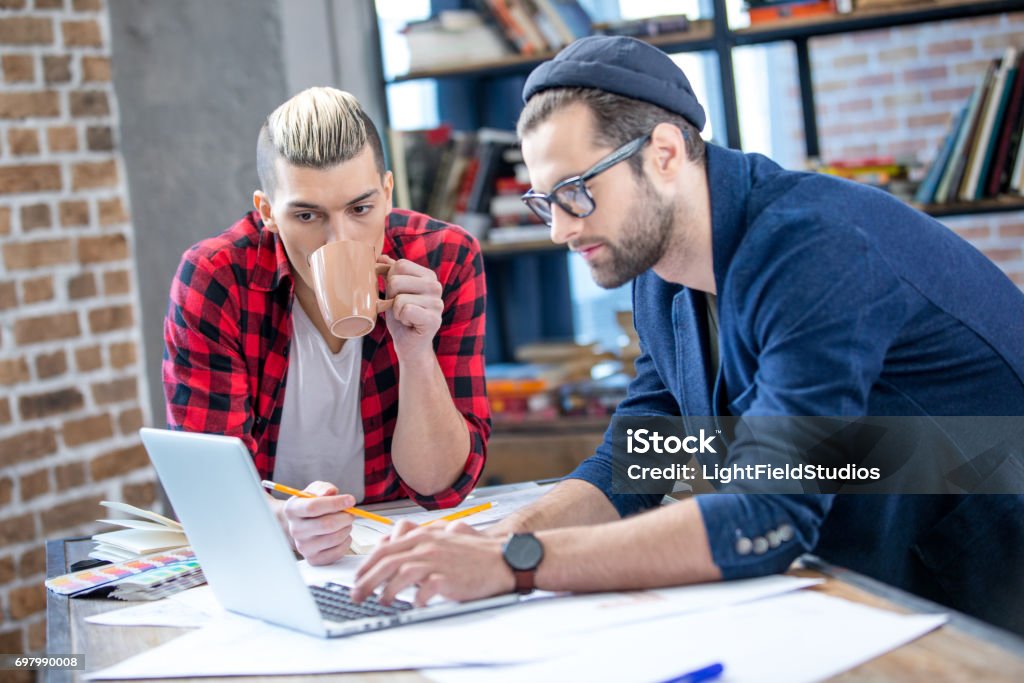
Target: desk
{"points": [[540, 449], [963, 650]]}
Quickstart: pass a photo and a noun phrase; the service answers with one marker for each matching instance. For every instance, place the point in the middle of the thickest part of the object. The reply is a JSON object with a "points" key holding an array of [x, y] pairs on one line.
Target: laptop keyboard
{"points": [[335, 603]]}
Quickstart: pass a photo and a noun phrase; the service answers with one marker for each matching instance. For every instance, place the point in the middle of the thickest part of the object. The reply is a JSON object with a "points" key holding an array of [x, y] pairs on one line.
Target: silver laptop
{"points": [[215, 490]]}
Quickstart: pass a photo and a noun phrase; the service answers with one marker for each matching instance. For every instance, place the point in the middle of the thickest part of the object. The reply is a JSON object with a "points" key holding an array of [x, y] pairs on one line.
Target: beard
{"points": [[643, 240]]}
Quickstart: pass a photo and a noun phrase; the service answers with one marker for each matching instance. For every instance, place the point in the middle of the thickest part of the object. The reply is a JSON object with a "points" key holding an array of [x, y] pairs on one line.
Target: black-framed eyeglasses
{"points": [[572, 194]]}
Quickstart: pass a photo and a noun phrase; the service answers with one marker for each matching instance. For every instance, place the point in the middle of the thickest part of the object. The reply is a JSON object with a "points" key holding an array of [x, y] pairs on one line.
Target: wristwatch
{"points": [[523, 553]]}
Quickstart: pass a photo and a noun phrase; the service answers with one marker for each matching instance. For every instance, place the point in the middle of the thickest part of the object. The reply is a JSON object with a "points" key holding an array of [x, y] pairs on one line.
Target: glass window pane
{"points": [[611, 10], [594, 308], [701, 69], [768, 102], [411, 105], [392, 16], [638, 9]]}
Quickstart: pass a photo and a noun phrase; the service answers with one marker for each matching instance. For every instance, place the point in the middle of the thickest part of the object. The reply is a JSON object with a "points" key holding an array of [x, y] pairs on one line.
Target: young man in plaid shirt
{"points": [[400, 412]]}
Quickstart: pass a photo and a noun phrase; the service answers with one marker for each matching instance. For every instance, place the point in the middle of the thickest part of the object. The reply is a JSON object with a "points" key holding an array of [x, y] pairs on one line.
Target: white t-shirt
{"points": [[321, 435]]}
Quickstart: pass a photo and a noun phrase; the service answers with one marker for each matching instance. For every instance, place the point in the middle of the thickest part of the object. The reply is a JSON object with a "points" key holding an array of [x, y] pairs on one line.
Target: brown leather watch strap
{"points": [[525, 580]]}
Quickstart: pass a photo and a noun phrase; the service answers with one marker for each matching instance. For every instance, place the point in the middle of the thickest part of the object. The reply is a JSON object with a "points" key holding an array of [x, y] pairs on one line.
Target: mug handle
{"points": [[383, 304]]}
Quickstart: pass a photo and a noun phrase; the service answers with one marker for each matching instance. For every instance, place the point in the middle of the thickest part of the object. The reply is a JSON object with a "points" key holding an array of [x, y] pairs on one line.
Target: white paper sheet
{"points": [[538, 629], [193, 608], [366, 532], [795, 638], [520, 633], [200, 598], [157, 613], [235, 646]]}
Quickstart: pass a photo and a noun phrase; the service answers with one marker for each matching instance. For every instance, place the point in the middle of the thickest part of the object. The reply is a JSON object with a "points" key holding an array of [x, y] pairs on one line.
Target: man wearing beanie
{"points": [[757, 292]]}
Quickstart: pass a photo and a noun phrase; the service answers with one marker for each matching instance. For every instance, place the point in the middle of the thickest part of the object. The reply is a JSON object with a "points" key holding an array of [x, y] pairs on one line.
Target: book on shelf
{"points": [[982, 150], [999, 174], [889, 4], [143, 533], [454, 165], [417, 158], [500, 12], [647, 27], [507, 207], [886, 173], [453, 38], [497, 156], [536, 27], [999, 121], [766, 11], [473, 179], [1017, 178], [569, 18], [524, 13], [926, 190], [988, 126], [518, 233], [949, 184]]}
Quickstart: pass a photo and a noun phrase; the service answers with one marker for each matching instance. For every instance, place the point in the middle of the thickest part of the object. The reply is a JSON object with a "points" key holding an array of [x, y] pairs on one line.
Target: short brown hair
{"points": [[617, 119], [318, 128]]}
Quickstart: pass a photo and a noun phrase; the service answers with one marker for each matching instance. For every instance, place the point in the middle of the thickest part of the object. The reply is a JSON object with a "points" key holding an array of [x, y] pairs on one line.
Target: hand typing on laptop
{"points": [[430, 557], [319, 528]]}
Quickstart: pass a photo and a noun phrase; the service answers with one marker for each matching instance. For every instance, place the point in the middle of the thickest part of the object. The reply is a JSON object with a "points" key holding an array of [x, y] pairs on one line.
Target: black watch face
{"points": [[523, 552]]}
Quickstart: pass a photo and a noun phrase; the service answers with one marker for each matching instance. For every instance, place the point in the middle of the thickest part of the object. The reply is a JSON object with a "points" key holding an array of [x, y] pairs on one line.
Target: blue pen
{"points": [[698, 676]]}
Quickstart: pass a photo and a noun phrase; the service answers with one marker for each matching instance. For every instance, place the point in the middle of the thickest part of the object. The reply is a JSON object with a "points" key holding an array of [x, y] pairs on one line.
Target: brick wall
{"points": [[895, 91], [71, 380]]}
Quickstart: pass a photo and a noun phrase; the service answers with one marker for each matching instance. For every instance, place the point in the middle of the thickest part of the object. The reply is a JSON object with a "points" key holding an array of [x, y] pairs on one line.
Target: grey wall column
{"points": [[334, 42], [194, 81]]}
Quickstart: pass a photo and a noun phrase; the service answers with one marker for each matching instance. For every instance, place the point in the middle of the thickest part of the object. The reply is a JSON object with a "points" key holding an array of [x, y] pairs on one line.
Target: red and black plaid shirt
{"points": [[229, 328]]}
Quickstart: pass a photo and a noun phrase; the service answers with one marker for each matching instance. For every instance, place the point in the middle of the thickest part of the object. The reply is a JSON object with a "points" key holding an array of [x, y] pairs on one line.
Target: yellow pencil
{"points": [[281, 488], [462, 513]]}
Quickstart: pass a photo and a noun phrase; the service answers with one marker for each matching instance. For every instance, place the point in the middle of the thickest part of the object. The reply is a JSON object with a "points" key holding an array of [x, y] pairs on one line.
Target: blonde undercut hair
{"points": [[317, 128]]}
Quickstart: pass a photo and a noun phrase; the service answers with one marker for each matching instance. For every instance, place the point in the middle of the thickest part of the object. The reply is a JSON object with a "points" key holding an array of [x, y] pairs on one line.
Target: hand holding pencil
{"points": [[288, 490], [318, 520], [458, 514]]}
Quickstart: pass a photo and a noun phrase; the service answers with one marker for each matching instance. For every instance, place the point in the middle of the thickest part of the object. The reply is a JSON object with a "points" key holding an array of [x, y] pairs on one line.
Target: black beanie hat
{"points": [[620, 65]]}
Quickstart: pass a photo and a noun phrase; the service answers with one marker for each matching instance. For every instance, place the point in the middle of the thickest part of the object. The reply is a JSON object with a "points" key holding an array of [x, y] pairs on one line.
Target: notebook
{"points": [[144, 533], [215, 490]]}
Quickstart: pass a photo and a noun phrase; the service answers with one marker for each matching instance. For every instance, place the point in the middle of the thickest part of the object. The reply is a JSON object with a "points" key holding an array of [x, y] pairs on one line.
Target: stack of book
{"points": [[767, 11], [453, 38], [536, 27], [884, 172], [983, 154], [417, 157], [890, 4], [511, 219], [472, 179]]}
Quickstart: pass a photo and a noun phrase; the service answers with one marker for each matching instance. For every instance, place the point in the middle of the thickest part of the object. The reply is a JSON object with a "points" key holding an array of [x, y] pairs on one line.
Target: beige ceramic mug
{"points": [[345, 282]]}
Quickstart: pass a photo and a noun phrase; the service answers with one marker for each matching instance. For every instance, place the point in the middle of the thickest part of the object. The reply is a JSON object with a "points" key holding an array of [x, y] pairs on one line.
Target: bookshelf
{"points": [[982, 206], [869, 19], [471, 94], [699, 37], [715, 35], [493, 249]]}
